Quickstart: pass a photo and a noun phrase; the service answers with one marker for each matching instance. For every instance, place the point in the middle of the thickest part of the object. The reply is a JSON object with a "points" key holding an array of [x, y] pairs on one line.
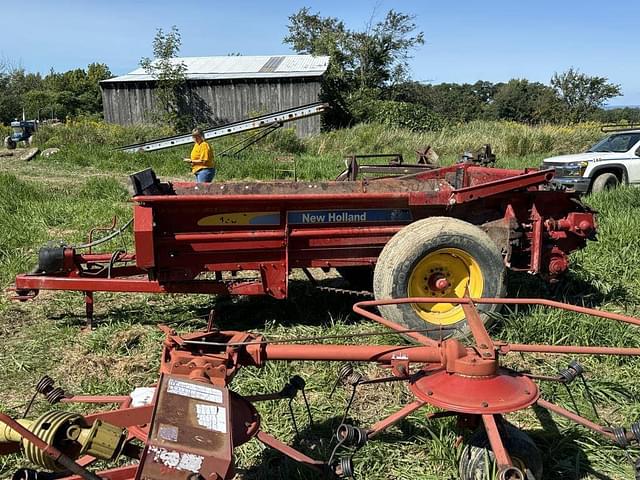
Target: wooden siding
{"points": [[216, 102]]}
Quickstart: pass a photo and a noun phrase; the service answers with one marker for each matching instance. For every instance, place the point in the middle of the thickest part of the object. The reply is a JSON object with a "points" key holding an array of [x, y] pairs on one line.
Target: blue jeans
{"points": [[205, 175]]}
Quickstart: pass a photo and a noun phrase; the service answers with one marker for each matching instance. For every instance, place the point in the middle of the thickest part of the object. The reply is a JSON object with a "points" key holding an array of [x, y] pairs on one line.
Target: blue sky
{"points": [[466, 40]]}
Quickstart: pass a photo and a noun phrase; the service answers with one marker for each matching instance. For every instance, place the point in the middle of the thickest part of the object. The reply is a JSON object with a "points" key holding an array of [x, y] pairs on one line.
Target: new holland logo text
{"points": [[348, 216], [337, 217]]}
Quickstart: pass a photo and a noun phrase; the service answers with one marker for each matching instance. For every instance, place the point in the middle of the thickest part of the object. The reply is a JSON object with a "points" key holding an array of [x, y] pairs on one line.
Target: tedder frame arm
{"points": [[193, 421]]}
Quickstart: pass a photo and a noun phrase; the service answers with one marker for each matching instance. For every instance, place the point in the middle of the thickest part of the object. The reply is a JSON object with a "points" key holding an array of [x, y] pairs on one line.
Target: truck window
{"points": [[619, 143]]}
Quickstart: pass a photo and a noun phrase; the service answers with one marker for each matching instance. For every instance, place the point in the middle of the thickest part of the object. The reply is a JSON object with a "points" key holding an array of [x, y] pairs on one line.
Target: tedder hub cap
{"points": [[445, 272]]}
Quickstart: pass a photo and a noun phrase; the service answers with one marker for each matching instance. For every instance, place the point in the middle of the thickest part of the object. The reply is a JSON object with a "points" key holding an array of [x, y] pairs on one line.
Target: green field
{"points": [[61, 197]]}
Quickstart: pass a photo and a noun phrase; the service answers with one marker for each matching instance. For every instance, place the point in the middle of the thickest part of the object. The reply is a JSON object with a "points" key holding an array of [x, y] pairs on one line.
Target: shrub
{"points": [[411, 116], [89, 131], [414, 117], [285, 141]]}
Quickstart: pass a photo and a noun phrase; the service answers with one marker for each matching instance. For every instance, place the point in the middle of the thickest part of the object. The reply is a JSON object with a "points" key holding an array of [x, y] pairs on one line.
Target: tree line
{"points": [[55, 95], [368, 79]]}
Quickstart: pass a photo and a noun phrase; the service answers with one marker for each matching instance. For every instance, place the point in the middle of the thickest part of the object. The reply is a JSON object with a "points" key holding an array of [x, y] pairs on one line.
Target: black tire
{"points": [[477, 461], [427, 242], [10, 144], [360, 278], [604, 181]]}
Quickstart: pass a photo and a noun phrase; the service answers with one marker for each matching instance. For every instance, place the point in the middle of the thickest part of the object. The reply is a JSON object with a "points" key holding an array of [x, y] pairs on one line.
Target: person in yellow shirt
{"points": [[202, 164]]}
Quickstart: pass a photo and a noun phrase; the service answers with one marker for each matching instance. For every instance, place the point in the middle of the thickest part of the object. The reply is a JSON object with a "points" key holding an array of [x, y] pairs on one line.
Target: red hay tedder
{"points": [[418, 231], [191, 422]]}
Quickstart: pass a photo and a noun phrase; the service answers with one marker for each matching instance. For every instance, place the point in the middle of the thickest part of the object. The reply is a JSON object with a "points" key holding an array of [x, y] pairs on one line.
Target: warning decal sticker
{"points": [[177, 460], [212, 417], [199, 392]]}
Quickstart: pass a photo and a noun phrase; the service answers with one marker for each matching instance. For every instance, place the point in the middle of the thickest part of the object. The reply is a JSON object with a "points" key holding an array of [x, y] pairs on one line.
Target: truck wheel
{"points": [[10, 144], [604, 181], [477, 461], [438, 257], [360, 278]]}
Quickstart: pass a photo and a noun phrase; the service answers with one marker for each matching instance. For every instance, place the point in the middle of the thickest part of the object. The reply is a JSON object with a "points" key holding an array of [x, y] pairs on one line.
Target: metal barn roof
{"points": [[238, 67]]}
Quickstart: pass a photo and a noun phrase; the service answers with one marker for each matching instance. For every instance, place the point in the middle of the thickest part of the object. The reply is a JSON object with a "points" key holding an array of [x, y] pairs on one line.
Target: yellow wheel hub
{"points": [[446, 272]]}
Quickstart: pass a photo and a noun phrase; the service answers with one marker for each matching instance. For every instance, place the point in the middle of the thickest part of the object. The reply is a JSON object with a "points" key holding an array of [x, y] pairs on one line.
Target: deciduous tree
{"points": [[170, 76], [362, 61], [523, 101], [582, 94]]}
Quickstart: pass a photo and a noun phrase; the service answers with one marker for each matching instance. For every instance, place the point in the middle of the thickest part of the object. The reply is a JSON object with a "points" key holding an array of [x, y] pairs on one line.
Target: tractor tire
{"points": [[604, 181], [424, 255], [10, 144], [477, 461], [360, 278]]}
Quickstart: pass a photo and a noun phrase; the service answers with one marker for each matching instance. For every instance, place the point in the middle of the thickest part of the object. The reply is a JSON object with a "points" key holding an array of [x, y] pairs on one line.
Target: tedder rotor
{"points": [[192, 421]]}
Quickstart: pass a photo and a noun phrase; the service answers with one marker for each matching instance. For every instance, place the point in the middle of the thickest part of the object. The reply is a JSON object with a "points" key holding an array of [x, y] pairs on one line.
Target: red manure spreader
{"points": [[415, 231]]}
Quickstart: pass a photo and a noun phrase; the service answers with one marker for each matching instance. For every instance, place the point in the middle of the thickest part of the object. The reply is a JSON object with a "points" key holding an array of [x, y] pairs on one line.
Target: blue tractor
{"points": [[21, 132]]}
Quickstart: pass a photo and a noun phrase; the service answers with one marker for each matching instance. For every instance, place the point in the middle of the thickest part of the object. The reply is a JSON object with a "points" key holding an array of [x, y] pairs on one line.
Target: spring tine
{"points": [[293, 417], [587, 391], [573, 400], [307, 406], [29, 405], [353, 396]]}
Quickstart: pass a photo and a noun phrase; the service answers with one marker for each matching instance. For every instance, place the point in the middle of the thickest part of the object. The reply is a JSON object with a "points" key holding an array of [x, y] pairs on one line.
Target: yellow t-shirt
{"points": [[202, 151]]}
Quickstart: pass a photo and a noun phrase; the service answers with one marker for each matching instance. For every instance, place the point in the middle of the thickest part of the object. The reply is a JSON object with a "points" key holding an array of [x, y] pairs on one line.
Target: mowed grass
{"points": [[61, 197]]}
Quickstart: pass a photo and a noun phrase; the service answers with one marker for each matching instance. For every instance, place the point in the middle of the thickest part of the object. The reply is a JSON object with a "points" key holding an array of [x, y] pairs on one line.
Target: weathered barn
{"points": [[224, 89]]}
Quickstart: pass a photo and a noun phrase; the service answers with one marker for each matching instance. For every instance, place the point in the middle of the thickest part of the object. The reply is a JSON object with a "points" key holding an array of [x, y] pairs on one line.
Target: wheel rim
{"points": [[446, 272]]}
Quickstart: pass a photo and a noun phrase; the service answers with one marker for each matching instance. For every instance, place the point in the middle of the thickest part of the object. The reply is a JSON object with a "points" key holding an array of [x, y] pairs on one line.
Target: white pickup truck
{"points": [[612, 161]]}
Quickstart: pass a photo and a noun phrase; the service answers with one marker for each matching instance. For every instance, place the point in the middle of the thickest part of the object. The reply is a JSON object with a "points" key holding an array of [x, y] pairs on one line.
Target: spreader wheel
{"points": [[478, 462], [438, 257]]}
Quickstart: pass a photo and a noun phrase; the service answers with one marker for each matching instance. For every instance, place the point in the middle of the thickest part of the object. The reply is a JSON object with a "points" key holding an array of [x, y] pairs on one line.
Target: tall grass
{"points": [[32, 214], [506, 138], [91, 145]]}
